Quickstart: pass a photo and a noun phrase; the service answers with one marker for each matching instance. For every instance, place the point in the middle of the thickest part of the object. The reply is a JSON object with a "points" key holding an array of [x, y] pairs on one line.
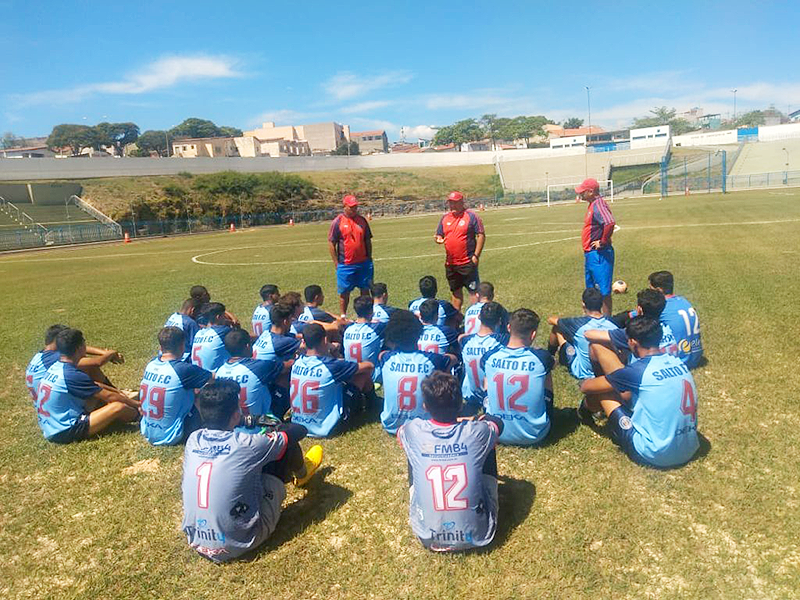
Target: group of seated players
{"points": [[453, 387]]}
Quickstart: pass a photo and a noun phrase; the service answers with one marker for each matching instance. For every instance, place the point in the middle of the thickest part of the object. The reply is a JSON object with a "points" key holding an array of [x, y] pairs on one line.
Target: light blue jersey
{"points": [[668, 345], [254, 378], [34, 373], [573, 329], [437, 339], [402, 396], [316, 392], [208, 350], [682, 318], [515, 393], [61, 398], [189, 327], [473, 347], [664, 406], [271, 346], [167, 396], [446, 310], [363, 342], [261, 320], [381, 313], [472, 318]]}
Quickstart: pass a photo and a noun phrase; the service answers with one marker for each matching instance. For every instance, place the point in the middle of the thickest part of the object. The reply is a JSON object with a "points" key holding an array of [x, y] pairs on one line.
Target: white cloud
{"points": [[412, 133], [163, 73], [363, 107], [347, 85]]}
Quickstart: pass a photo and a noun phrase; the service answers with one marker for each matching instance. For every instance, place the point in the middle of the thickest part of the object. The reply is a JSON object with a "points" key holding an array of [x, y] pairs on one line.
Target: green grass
{"points": [[101, 519]]}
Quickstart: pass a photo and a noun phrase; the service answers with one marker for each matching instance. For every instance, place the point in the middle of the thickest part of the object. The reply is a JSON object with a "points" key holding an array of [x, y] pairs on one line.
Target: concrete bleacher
{"points": [[56, 216], [767, 157]]}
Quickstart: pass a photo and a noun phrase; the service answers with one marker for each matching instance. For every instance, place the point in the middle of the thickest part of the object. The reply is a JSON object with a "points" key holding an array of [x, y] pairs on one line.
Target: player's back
{"points": [[36, 369], [473, 348], [682, 318], [58, 404], [316, 392], [208, 350], [453, 503], [363, 342], [254, 378], [619, 339], [271, 345], [261, 321], [223, 490], [574, 330], [446, 310], [167, 396], [472, 318], [402, 373], [437, 339], [189, 327], [515, 380], [381, 313]]}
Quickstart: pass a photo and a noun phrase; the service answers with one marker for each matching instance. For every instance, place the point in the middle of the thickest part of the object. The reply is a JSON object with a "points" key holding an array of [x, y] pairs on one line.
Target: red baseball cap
{"points": [[455, 197], [588, 184], [350, 200]]}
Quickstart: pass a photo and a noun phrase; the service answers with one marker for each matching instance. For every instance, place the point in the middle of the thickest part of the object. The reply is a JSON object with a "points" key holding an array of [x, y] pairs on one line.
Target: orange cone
{"points": [[291, 222], [233, 228], [369, 216], [481, 207], [127, 238]]}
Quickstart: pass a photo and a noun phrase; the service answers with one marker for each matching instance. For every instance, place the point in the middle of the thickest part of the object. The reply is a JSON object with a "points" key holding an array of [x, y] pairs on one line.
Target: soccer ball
{"points": [[619, 287]]}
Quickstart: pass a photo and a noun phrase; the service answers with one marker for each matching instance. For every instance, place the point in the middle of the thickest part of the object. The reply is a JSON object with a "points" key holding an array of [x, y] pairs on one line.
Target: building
{"points": [[212, 147], [567, 142], [322, 138], [27, 152], [649, 137], [370, 142], [251, 147], [556, 131]]}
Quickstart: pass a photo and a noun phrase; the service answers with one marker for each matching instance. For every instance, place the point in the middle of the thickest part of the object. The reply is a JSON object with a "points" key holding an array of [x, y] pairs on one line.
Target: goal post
{"points": [[562, 192]]}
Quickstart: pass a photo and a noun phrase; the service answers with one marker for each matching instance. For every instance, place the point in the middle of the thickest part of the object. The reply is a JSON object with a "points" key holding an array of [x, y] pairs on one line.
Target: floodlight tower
{"points": [[734, 102]]}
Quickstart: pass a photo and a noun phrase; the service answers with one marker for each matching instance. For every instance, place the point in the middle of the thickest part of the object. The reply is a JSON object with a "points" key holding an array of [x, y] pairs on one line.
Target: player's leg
{"points": [[555, 340], [270, 505], [97, 375], [344, 286], [344, 301], [455, 281], [457, 298], [605, 277], [110, 413]]}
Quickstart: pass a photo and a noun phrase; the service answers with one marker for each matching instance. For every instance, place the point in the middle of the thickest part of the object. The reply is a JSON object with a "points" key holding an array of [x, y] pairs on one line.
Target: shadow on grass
{"points": [[704, 449], [515, 498], [564, 421]]}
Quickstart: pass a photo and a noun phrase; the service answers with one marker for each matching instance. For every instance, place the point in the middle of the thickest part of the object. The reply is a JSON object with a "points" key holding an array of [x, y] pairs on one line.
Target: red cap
{"points": [[588, 184], [455, 197], [350, 200]]}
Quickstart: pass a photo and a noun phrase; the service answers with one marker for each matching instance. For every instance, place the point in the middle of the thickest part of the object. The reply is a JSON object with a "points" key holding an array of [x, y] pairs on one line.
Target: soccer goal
{"points": [[563, 192]]}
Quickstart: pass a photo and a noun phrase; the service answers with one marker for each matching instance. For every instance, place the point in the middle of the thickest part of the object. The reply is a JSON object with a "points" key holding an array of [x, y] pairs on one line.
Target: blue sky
{"points": [[387, 65]]}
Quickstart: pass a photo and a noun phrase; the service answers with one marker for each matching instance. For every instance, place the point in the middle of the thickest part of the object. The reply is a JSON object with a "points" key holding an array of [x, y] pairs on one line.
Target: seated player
{"points": [[452, 471], [363, 340], [277, 342], [255, 377], [568, 335], [439, 339], [69, 405], [473, 347], [234, 482], [199, 294], [519, 383], [448, 315], [381, 311], [651, 403], [403, 368], [650, 303], [324, 389], [208, 349], [681, 317], [472, 317], [312, 311], [89, 364], [261, 320], [183, 320], [167, 392]]}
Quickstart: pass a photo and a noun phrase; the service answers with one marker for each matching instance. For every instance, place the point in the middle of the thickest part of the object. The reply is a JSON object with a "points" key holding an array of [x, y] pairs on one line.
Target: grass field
{"points": [[101, 519]]}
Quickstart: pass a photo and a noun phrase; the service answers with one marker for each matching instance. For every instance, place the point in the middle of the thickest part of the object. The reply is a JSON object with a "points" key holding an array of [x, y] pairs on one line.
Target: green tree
{"points": [[230, 131], [153, 140], [489, 124], [347, 149], [754, 118], [195, 128], [9, 140], [117, 135], [572, 123], [76, 137], [466, 130], [661, 115]]}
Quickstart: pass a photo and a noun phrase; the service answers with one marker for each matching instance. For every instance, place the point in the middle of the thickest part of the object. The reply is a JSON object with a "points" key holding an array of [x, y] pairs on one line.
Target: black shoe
{"points": [[585, 416]]}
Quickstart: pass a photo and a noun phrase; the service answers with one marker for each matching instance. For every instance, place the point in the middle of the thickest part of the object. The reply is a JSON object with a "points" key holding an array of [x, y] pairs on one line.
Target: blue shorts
{"points": [[567, 355], [599, 269], [349, 277], [621, 429]]}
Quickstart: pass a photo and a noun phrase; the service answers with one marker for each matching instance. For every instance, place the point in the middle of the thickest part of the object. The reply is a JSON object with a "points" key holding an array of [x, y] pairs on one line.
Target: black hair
{"points": [[645, 330], [68, 341], [379, 289], [313, 335], [428, 286], [281, 311], [592, 299], [237, 342], [429, 311], [403, 331], [268, 290], [492, 315], [311, 292], [172, 340], [442, 396], [211, 312], [216, 402], [652, 303], [662, 280], [190, 305], [524, 322], [363, 306], [486, 290], [51, 333], [293, 299], [199, 293]]}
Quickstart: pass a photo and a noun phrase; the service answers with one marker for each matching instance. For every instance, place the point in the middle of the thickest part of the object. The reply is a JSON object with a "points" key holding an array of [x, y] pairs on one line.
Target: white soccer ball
{"points": [[619, 287]]}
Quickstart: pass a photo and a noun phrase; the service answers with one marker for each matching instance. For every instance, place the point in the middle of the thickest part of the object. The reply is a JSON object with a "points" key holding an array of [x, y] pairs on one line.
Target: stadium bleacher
{"points": [[767, 157], [56, 215]]}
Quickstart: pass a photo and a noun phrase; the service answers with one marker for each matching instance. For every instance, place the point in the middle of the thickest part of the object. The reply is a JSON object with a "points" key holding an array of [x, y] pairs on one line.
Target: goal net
{"points": [[564, 192]]}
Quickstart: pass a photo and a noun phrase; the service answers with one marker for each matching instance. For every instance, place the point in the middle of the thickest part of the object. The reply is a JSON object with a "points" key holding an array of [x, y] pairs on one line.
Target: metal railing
{"points": [[23, 218], [103, 218]]}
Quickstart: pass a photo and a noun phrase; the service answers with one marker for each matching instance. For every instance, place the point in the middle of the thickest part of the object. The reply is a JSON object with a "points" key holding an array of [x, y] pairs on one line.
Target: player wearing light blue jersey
{"points": [[428, 287], [519, 384], [312, 311], [320, 395], [167, 392], [404, 368], [651, 404], [208, 349], [452, 471], [568, 336], [682, 318], [261, 320], [439, 339], [70, 406], [277, 342], [381, 311], [184, 321], [233, 482], [473, 347], [255, 377], [472, 316], [363, 340]]}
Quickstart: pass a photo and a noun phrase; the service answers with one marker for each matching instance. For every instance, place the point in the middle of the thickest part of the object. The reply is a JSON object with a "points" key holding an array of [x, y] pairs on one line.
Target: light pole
{"points": [[734, 103], [786, 171], [166, 139], [586, 147]]}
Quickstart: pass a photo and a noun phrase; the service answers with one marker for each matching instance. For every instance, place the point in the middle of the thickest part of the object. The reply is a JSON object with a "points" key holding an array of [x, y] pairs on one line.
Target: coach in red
{"points": [[350, 244], [598, 253], [461, 231]]}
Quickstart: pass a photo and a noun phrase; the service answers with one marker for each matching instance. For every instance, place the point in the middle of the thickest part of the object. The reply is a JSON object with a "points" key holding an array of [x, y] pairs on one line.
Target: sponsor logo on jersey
{"points": [[207, 534], [444, 450], [449, 533]]}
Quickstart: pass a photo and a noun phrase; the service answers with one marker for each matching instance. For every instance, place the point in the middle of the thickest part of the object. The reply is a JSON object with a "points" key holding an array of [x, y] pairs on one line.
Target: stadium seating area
{"points": [[56, 216], [767, 157]]}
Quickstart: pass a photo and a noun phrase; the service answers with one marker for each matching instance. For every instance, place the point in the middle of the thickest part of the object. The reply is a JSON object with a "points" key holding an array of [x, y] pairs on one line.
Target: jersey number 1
{"points": [[203, 474]]}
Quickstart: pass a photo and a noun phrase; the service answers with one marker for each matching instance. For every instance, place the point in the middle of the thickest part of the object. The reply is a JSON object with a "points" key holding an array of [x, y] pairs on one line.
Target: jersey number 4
{"points": [[456, 476], [688, 402]]}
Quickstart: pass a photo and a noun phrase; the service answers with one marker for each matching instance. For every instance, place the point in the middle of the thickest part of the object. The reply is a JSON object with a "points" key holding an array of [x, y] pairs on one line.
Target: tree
{"points": [[467, 130], [347, 149], [230, 131], [9, 140], [522, 127], [117, 135], [153, 140], [489, 124], [76, 137], [754, 118], [573, 123], [195, 128], [661, 115]]}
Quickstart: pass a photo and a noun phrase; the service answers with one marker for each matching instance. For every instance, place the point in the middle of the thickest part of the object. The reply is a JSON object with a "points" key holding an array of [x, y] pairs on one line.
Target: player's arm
{"points": [[334, 254], [596, 385], [480, 240], [439, 236], [107, 396], [553, 320], [598, 336], [97, 357], [452, 360], [365, 367]]}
